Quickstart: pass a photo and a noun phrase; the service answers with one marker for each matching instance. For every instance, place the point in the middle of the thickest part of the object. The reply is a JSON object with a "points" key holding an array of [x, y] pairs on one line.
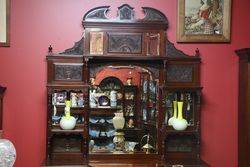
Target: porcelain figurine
{"points": [[130, 123], [119, 141], [73, 99], [113, 98], [91, 144], [180, 123], [92, 99], [55, 118], [80, 100], [129, 81]]}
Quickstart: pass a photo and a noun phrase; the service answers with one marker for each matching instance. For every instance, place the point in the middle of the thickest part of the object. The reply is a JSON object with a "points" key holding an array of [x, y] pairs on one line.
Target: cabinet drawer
{"points": [[68, 71], [182, 74], [65, 71]]}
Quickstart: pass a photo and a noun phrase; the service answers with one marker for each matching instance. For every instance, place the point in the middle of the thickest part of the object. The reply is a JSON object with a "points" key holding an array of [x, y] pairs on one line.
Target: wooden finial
{"points": [[50, 49], [197, 52]]}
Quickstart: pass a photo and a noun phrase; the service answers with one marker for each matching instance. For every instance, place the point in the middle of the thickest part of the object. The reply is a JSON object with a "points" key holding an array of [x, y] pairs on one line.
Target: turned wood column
{"points": [[244, 108]]}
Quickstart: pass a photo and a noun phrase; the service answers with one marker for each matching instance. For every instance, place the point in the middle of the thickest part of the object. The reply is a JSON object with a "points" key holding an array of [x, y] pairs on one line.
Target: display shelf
{"points": [[188, 129], [123, 155], [57, 130], [106, 108], [182, 132], [107, 89], [105, 124], [75, 110], [103, 113], [78, 126], [67, 86], [101, 137], [129, 116]]}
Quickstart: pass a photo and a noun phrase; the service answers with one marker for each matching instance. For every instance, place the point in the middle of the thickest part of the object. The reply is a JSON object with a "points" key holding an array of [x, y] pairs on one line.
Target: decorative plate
{"points": [[103, 101]]}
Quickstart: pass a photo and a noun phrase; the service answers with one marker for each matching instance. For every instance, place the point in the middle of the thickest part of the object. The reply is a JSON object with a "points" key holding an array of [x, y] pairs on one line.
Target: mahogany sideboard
{"points": [[166, 74]]}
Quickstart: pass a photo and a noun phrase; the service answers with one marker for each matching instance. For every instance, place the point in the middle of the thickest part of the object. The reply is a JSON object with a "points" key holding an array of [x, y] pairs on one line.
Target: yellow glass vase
{"points": [[180, 123], [170, 121], [67, 122]]}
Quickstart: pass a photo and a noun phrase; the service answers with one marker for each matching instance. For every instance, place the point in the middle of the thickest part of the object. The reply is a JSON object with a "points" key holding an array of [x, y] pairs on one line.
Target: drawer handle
{"points": [[177, 166]]}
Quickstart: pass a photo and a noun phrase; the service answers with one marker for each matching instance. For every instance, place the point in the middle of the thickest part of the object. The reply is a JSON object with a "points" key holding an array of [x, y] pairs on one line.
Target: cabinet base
{"points": [[140, 162]]}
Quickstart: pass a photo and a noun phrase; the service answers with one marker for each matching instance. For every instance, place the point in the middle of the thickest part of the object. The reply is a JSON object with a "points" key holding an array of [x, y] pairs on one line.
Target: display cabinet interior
{"points": [[129, 91]]}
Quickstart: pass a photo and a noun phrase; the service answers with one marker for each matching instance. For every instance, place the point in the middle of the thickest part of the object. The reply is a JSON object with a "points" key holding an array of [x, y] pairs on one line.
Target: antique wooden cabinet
{"points": [[2, 90], [124, 66], [244, 107]]}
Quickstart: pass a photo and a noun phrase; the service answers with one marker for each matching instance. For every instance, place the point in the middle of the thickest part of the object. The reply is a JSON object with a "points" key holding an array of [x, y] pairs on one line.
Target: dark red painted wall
{"points": [[35, 24]]}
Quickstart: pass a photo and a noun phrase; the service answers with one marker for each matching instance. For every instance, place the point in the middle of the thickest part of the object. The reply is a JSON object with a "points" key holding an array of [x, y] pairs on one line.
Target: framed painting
{"points": [[4, 22], [204, 21]]}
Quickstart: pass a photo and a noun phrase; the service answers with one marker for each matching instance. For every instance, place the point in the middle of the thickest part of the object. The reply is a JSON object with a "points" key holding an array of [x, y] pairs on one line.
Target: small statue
{"points": [[91, 145], [130, 123], [113, 98], [129, 81], [92, 99], [73, 99], [55, 118], [80, 100]]}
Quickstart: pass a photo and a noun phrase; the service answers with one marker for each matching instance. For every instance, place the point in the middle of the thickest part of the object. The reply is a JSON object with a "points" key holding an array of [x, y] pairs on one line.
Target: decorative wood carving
{"points": [[125, 43], [177, 73], [77, 49], [153, 44], [184, 144], [125, 12], [97, 13], [68, 71], [152, 14], [172, 51]]}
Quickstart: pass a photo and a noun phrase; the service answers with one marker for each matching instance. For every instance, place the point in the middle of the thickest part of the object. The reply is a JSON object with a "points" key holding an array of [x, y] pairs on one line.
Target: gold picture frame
{"points": [[204, 21], [4, 22]]}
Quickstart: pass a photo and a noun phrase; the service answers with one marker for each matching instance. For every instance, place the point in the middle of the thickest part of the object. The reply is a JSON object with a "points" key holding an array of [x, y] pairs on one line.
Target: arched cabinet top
{"points": [[125, 14]]}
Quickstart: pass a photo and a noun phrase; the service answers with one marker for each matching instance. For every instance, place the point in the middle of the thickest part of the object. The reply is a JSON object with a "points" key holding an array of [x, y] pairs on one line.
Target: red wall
{"points": [[35, 24]]}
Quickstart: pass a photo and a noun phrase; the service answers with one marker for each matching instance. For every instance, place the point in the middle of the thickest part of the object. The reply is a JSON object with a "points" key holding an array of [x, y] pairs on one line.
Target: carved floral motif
{"points": [[125, 43], [177, 73], [68, 72]]}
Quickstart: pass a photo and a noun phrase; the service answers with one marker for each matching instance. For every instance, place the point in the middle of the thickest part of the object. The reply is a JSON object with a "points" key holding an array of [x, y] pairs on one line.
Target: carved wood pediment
{"points": [[126, 13]]}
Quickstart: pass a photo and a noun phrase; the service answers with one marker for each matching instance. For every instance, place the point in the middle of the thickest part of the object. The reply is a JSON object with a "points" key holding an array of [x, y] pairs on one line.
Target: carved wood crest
{"points": [[125, 13]]}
